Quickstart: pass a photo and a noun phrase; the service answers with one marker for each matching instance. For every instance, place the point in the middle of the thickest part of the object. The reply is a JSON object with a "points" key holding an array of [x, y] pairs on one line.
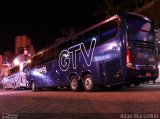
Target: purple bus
{"points": [[118, 51]]}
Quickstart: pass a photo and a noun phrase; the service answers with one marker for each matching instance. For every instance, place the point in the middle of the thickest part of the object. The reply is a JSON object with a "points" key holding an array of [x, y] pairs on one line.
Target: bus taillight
{"points": [[129, 59]]}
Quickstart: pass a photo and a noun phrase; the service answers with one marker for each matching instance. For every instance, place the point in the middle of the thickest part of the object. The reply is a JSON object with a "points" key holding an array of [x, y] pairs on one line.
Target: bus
{"points": [[16, 78], [118, 51]]}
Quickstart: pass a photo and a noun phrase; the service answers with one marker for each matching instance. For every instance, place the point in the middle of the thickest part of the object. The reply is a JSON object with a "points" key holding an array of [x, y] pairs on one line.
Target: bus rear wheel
{"points": [[88, 83], [74, 83]]}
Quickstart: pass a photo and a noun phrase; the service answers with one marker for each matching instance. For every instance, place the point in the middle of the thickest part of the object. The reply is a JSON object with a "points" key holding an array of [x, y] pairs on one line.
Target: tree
{"points": [[107, 8]]}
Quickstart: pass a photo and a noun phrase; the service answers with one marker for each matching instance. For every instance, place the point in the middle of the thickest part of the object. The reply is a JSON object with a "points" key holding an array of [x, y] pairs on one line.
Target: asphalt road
{"points": [[133, 102]]}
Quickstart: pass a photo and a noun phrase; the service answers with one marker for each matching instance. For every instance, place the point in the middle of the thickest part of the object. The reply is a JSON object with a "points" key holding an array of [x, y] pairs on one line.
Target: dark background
{"points": [[46, 20], [42, 20]]}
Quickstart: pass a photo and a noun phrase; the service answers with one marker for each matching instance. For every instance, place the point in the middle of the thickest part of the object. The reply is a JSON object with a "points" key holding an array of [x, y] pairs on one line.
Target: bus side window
{"points": [[59, 48], [88, 36], [13, 70], [37, 60], [50, 55], [109, 30]]}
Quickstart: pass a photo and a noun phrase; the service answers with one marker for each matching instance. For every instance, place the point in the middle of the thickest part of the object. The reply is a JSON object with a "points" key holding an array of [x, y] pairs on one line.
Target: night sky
{"points": [[42, 20]]}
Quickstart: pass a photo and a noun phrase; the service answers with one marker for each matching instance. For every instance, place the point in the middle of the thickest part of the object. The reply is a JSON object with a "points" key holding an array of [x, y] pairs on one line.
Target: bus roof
{"points": [[64, 39]]}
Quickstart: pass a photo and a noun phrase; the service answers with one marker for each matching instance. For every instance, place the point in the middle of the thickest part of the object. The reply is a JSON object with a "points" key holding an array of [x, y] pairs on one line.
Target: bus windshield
{"points": [[140, 29]]}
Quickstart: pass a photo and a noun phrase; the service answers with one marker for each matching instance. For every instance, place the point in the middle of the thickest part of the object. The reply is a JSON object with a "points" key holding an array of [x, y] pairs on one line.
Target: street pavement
{"points": [[134, 102]]}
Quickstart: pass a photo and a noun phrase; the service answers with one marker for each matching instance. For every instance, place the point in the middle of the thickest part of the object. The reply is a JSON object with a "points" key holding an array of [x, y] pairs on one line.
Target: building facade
{"points": [[23, 42]]}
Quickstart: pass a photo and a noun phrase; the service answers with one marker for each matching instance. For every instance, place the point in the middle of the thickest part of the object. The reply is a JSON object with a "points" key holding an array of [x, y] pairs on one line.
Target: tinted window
{"points": [[88, 36], [37, 60], [109, 30], [61, 47], [141, 35], [138, 22], [13, 70], [140, 29], [50, 55]]}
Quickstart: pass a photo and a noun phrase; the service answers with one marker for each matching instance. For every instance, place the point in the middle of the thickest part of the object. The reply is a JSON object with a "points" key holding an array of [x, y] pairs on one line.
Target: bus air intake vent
{"points": [[144, 44]]}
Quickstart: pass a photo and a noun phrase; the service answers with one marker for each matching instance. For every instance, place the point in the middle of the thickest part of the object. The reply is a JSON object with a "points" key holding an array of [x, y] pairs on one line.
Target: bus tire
{"points": [[88, 83], [74, 83], [34, 89]]}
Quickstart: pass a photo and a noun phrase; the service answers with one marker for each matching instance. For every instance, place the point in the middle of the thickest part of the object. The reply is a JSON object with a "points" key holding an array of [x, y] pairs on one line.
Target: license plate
{"points": [[148, 74]]}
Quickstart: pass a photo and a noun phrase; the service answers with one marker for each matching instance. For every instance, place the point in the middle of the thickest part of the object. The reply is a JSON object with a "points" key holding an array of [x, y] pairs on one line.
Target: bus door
{"points": [[36, 76], [61, 75], [22, 79], [111, 64], [110, 52], [49, 73], [37, 70], [17, 79], [27, 72]]}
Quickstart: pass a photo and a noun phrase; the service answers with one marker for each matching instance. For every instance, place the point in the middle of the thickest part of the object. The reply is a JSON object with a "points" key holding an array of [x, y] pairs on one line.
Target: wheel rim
{"points": [[74, 84], [88, 83]]}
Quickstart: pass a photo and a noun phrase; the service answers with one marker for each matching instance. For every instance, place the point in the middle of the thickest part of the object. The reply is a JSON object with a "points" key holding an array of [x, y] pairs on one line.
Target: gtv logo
{"points": [[65, 60]]}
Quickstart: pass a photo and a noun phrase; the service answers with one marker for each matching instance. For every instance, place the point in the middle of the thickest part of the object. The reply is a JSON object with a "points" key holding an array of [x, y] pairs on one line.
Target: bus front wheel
{"points": [[88, 83], [74, 83]]}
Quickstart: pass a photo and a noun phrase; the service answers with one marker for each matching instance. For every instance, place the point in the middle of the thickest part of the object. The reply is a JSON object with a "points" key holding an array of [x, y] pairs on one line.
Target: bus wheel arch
{"points": [[85, 73]]}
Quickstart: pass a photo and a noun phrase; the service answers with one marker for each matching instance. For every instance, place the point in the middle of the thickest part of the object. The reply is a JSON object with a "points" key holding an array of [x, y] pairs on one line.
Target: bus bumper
{"points": [[141, 75]]}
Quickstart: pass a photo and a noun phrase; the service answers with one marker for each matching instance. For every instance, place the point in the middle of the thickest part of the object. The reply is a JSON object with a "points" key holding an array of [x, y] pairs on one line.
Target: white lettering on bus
{"points": [[88, 55], [41, 70], [72, 51], [64, 59]]}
